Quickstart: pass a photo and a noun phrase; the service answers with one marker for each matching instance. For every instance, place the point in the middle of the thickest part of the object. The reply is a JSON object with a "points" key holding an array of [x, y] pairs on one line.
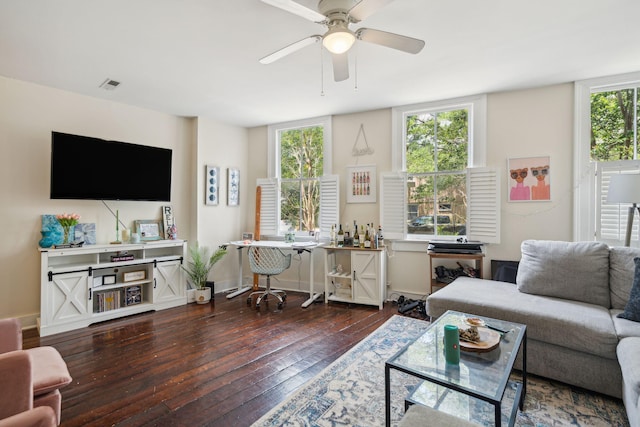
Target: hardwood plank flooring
{"points": [[218, 364]]}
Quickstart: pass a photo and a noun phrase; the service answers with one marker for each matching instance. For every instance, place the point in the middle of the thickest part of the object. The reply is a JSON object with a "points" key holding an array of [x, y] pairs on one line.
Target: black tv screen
{"points": [[92, 168]]}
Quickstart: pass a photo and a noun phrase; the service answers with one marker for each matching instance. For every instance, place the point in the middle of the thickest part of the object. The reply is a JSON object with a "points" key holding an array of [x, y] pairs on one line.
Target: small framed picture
{"points": [[233, 187], [361, 184], [529, 179], [247, 236], [212, 185], [134, 275], [149, 229], [97, 281], [109, 279]]}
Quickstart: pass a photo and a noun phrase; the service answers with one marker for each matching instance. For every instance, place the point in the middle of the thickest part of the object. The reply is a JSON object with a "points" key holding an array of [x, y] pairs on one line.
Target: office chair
{"points": [[268, 262]]}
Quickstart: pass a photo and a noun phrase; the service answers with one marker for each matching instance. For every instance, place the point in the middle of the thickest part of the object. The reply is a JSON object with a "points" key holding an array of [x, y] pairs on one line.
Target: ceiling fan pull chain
{"points": [[355, 69], [321, 72]]}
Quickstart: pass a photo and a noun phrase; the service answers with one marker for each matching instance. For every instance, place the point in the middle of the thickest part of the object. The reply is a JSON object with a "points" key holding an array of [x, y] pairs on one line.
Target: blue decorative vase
{"points": [[48, 239]]}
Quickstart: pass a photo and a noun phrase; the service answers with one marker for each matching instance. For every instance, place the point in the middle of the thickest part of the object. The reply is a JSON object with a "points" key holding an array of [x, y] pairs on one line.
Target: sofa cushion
{"points": [[624, 328], [628, 351], [632, 309], [621, 273], [575, 325], [577, 271]]}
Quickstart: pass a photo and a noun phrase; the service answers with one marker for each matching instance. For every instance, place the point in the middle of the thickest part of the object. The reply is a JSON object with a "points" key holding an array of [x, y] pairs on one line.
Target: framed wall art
{"points": [[361, 184], [233, 187], [529, 179], [149, 229], [212, 185]]}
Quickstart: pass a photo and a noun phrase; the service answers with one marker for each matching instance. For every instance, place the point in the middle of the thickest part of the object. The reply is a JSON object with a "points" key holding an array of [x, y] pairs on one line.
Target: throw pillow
{"points": [[632, 310], [577, 271]]}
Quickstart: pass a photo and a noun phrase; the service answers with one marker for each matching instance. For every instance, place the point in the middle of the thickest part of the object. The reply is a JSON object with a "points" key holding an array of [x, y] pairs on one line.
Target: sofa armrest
{"points": [[10, 335], [16, 393]]}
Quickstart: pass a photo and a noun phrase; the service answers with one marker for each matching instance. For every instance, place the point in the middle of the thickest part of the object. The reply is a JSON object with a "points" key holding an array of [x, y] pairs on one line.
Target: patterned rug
{"points": [[350, 392]]}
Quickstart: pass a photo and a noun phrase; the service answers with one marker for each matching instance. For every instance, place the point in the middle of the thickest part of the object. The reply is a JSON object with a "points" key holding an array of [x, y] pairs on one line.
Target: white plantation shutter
{"points": [[269, 206], [329, 203], [483, 210], [393, 204], [611, 218]]}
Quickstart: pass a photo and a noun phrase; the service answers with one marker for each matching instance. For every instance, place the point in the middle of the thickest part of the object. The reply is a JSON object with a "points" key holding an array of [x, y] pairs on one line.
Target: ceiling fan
{"points": [[337, 15]]}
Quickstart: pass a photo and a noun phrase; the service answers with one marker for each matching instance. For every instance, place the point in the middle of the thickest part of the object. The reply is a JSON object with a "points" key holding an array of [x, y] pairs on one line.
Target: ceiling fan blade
{"points": [[392, 40], [290, 49], [366, 8], [297, 9], [340, 66]]}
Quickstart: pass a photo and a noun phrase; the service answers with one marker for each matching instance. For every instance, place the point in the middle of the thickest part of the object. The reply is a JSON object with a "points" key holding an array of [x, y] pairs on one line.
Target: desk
{"points": [[299, 247]]}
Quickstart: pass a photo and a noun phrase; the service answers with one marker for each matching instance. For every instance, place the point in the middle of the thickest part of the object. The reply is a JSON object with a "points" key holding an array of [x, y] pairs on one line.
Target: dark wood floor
{"points": [[222, 363]]}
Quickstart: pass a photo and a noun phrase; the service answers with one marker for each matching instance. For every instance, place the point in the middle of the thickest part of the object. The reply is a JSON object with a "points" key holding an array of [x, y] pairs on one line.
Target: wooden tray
{"points": [[489, 340]]}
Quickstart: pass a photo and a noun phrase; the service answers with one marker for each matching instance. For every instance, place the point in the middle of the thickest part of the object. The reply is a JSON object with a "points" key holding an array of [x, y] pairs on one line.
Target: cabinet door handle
{"points": [[90, 293], [155, 282], [354, 275]]}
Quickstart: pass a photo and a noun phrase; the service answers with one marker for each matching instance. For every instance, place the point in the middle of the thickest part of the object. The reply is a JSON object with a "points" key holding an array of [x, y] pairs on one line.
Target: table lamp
{"points": [[625, 188]]}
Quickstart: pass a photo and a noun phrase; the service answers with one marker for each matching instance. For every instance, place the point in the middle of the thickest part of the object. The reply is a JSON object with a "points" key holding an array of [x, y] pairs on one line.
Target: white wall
{"points": [[226, 147], [535, 122]]}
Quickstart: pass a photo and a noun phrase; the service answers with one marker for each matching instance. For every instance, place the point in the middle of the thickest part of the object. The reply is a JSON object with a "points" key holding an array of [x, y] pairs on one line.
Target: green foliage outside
{"points": [[301, 165], [612, 125], [436, 160]]}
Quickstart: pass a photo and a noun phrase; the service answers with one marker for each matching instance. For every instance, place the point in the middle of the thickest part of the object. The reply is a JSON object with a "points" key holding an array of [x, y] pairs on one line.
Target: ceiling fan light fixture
{"points": [[338, 40]]}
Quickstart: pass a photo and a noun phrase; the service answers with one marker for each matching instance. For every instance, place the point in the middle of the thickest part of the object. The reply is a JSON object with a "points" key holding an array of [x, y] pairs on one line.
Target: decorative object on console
{"points": [[67, 221], [212, 185], [361, 184], [198, 268], [117, 241], [52, 227], [131, 276], [233, 187], [109, 279], [625, 188], [149, 229], [529, 178], [169, 223], [632, 309], [86, 233]]}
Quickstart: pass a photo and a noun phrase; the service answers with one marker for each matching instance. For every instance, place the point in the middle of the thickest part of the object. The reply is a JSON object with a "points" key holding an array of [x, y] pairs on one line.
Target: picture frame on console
{"points": [[149, 229]]}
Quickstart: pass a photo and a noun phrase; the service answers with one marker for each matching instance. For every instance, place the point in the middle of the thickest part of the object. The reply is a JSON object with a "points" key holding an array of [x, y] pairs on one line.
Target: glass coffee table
{"points": [[481, 378]]}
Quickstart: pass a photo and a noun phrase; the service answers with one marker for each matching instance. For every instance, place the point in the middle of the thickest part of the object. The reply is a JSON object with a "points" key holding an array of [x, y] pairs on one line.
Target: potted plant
{"points": [[198, 268]]}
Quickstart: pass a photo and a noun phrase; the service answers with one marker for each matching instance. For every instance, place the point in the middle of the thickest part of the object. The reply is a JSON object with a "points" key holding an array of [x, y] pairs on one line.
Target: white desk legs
{"points": [[312, 296], [241, 289]]}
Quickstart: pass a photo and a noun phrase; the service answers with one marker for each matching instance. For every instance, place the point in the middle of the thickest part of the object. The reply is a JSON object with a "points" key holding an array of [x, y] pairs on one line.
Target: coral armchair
{"points": [[46, 373], [16, 394]]}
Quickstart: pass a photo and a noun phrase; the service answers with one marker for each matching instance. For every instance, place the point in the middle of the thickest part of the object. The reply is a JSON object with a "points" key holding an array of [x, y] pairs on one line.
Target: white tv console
{"points": [[81, 286]]}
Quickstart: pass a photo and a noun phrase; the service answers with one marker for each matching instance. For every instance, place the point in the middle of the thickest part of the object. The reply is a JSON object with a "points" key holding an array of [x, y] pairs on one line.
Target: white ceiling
{"points": [[200, 57]]}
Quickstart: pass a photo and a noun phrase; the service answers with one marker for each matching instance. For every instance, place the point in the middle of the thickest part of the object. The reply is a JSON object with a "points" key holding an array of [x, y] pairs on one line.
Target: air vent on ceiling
{"points": [[109, 84]]}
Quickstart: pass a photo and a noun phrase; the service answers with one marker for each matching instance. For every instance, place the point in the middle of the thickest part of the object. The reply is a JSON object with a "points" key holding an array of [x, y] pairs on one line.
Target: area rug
{"points": [[350, 392]]}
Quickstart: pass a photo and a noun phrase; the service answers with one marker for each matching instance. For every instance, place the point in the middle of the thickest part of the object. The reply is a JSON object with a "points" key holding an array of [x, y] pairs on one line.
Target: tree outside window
{"points": [[615, 117], [301, 166], [436, 157]]}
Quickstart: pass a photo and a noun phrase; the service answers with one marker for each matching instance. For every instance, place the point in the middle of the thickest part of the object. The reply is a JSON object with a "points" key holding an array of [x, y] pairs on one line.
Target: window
{"points": [[606, 143], [437, 151], [300, 195]]}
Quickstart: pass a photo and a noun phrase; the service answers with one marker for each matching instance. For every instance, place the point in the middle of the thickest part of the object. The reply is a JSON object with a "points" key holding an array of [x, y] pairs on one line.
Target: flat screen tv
{"points": [[92, 168]]}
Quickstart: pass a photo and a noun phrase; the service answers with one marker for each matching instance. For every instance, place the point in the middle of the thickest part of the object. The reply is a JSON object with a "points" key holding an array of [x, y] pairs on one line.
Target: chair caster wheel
{"points": [[284, 297], [249, 301], [279, 306], [257, 306]]}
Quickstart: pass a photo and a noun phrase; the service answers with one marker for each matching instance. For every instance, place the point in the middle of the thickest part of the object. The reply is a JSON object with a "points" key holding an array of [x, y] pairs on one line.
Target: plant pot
{"points": [[203, 296], [211, 285]]}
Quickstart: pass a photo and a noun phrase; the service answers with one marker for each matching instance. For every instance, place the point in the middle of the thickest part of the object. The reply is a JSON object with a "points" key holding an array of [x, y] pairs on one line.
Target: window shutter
{"points": [[611, 218], [393, 204], [329, 203], [269, 206], [483, 211]]}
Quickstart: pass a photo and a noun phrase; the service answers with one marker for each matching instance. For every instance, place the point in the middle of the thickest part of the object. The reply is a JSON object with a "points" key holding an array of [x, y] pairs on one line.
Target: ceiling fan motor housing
{"points": [[336, 10]]}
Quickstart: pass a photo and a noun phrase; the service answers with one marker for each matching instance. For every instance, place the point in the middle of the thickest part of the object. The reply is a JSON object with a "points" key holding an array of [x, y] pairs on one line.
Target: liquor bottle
{"points": [[367, 238], [362, 239], [340, 237], [356, 236], [380, 237], [332, 238]]}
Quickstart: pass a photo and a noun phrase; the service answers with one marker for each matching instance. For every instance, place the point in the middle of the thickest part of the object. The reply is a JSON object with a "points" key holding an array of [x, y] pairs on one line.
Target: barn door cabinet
{"points": [[81, 286], [355, 275]]}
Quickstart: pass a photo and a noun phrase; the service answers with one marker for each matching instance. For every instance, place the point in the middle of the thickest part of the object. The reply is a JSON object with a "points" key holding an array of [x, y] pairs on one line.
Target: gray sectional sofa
{"points": [[569, 295]]}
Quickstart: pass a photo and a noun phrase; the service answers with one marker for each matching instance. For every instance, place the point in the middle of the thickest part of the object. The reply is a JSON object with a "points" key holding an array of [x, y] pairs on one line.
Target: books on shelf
{"points": [[109, 300]]}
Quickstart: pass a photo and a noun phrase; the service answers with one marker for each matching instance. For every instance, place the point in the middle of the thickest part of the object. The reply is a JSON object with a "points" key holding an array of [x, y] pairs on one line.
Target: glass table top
{"points": [[484, 374]]}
